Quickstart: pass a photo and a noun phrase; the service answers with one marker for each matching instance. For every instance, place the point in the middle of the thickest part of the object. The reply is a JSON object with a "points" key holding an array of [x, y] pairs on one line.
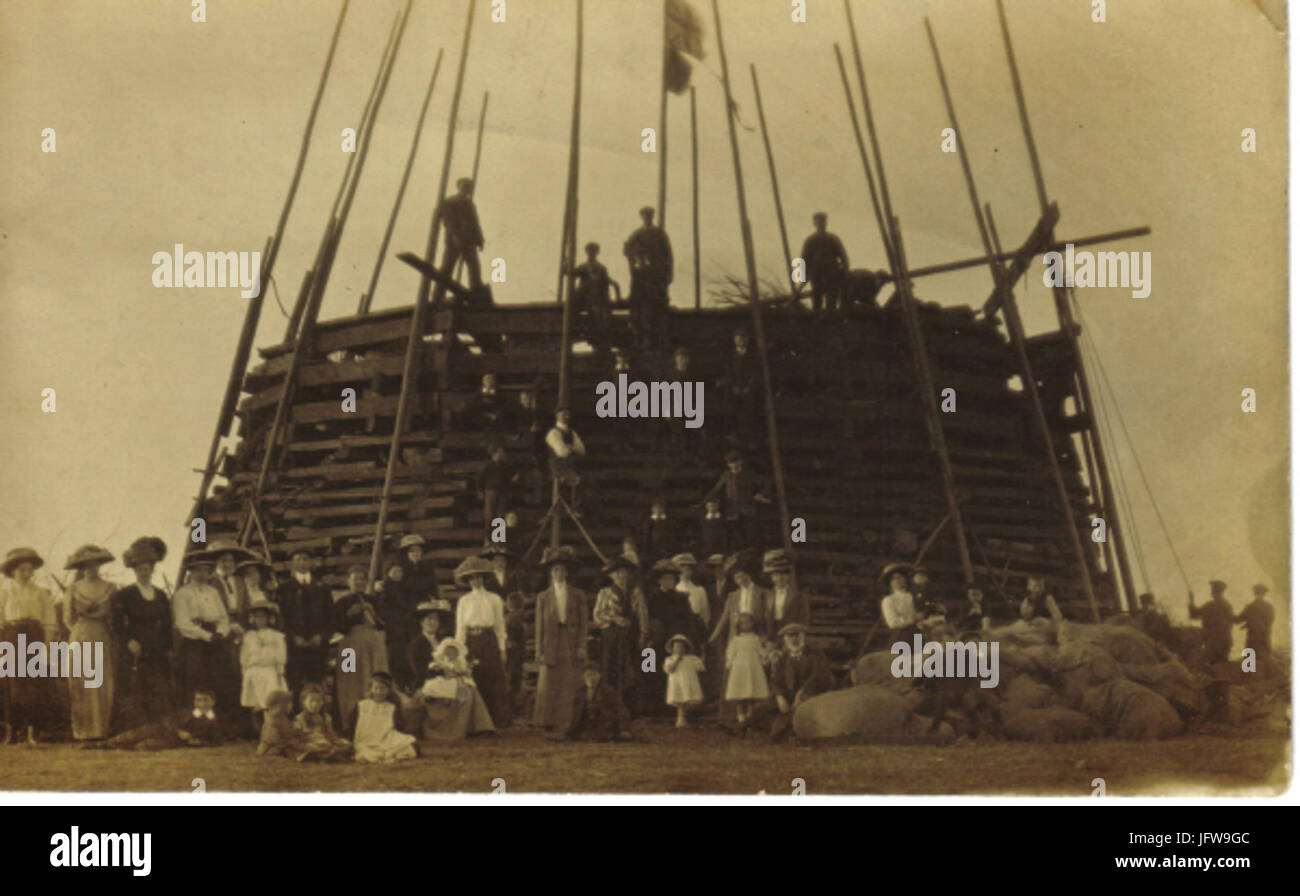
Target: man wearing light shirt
{"points": [[789, 605], [565, 447]]}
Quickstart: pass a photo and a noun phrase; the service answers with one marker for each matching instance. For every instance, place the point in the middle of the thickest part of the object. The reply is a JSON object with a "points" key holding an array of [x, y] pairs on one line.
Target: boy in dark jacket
{"points": [[598, 712]]}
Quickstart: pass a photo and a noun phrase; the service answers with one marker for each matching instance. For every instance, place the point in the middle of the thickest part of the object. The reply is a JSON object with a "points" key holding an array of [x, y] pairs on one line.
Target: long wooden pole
{"points": [[1066, 317], [303, 344], [751, 270], [253, 313], [568, 255], [661, 138], [419, 316], [1015, 329], [911, 317], [294, 324], [771, 170], [866, 162], [695, 197], [435, 225], [929, 396], [368, 297]]}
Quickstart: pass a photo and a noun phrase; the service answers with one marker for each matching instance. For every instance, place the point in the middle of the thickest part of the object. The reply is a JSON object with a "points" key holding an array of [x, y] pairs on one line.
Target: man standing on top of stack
{"points": [[826, 263], [464, 235], [650, 259]]}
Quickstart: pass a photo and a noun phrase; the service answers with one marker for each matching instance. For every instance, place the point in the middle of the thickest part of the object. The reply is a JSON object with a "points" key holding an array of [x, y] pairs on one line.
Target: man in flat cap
{"points": [[1257, 617], [1216, 621], [826, 263], [799, 673], [463, 233], [650, 259]]}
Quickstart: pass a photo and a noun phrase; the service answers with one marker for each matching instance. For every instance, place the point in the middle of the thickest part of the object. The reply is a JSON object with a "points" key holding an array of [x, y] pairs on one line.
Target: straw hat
{"points": [[1260, 590], [88, 555], [739, 561], [425, 608], [198, 558], [792, 628], [890, 569], [617, 563], [684, 561], [255, 563], [779, 560], [665, 565], [263, 605], [17, 557], [221, 547], [411, 541], [690, 648], [562, 555], [472, 566]]}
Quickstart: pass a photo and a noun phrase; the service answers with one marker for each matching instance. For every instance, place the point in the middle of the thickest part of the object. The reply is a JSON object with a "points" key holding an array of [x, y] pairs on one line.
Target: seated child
{"points": [[279, 736], [320, 741], [197, 727], [746, 678], [598, 712], [452, 706], [374, 725], [683, 669]]}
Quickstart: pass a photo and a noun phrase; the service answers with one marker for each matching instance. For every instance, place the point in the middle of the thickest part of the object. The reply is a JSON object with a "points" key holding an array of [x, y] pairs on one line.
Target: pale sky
{"points": [[170, 131]]}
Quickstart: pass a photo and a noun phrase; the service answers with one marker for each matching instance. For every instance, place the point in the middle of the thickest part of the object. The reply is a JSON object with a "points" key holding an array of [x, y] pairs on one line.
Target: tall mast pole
{"points": [[771, 170], [751, 270], [695, 196], [1015, 328], [253, 314], [661, 139], [568, 254], [419, 316], [1066, 317], [435, 225], [368, 297]]}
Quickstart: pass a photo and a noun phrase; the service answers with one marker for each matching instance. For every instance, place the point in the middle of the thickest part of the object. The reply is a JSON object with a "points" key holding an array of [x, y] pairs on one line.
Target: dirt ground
{"points": [[694, 761]]}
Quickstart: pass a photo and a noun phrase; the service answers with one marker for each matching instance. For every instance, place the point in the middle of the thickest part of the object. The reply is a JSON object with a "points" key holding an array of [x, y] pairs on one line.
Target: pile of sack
{"points": [[1103, 680]]}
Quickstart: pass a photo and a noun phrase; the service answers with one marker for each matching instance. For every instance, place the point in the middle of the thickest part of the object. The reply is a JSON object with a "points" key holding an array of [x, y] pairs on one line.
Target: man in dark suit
{"points": [[650, 258], [598, 712], [826, 263], [308, 610], [789, 604], [741, 492], [463, 234], [799, 673]]}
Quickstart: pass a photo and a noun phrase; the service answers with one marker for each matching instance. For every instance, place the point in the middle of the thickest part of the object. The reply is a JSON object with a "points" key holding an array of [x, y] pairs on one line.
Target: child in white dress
{"points": [[683, 668], [262, 655], [746, 680], [374, 725]]}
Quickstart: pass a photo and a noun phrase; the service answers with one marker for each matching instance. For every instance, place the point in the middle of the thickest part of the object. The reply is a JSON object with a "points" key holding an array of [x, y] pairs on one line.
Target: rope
{"points": [[1125, 501], [275, 290], [1137, 461]]}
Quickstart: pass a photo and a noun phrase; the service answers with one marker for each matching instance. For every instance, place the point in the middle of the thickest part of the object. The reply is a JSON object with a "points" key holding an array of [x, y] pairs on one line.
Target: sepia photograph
{"points": [[742, 398]]}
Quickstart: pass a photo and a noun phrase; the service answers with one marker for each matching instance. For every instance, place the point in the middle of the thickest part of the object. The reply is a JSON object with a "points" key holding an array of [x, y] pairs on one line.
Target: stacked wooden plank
{"points": [[858, 467]]}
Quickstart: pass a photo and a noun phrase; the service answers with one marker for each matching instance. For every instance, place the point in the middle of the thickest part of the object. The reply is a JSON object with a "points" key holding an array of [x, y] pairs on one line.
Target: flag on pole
{"points": [[683, 36]]}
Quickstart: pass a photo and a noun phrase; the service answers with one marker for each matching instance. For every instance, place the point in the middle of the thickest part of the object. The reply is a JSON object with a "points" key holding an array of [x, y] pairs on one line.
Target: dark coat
{"points": [[600, 717], [547, 624], [460, 220], [797, 609], [146, 621], [798, 678], [307, 609], [737, 491]]}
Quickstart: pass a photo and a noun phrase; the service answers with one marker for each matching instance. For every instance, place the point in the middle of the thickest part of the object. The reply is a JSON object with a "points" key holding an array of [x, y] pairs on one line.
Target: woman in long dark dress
{"points": [[561, 641], [142, 619], [623, 626]]}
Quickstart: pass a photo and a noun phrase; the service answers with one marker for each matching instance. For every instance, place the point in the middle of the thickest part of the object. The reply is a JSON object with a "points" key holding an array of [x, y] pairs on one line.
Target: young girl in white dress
{"points": [[683, 668], [746, 680], [374, 725], [262, 655]]}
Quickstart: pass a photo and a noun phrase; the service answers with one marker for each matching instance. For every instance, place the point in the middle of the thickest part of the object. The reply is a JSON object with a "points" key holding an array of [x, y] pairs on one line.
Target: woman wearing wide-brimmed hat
{"points": [[560, 618], [481, 627], [90, 613], [898, 606], [142, 619], [29, 611], [622, 622]]}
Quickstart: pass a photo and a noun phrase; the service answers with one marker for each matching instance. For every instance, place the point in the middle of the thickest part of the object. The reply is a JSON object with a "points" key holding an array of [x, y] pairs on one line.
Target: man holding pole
{"points": [[464, 235], [650, 259]]}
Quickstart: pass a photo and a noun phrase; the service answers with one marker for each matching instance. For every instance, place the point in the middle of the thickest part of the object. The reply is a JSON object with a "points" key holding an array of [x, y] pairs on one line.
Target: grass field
{"points": [[694, 761]]}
